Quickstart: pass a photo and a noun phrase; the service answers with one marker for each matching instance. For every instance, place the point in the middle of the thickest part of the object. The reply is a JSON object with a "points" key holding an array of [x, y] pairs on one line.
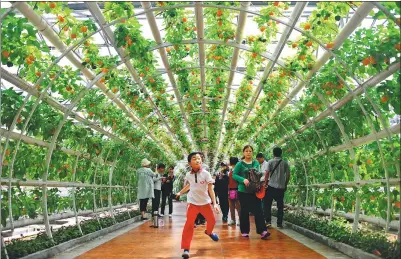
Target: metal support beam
{"points": [[156, 35], [200, 36]]}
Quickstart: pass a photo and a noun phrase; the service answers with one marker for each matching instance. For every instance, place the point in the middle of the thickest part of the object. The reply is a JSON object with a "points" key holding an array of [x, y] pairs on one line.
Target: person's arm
{"points": [[156, 177], [237, 177], [149, 173], [267, 174], [183, 190], [213, 197]]}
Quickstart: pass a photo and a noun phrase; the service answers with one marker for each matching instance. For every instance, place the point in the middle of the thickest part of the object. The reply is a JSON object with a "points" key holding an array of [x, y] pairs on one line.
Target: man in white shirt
{"points": [[263, 168], [157, 179], [263, 165]]}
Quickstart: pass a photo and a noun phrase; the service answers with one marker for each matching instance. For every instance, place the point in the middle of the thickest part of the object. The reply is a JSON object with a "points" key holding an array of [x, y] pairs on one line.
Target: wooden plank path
{"points": [[165, 242]]}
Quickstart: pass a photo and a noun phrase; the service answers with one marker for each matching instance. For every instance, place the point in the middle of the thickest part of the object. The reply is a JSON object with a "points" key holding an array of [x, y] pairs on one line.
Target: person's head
{"points": [[277, 152], [195, 160], [223, 165], [160, 168], [248, 152], [145, 163], [260, 157], [171, 170], [233, 161]]}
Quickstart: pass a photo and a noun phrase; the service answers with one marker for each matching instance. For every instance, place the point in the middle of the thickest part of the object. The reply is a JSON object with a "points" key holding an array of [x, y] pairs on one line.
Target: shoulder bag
{"points": [[262, 192]]}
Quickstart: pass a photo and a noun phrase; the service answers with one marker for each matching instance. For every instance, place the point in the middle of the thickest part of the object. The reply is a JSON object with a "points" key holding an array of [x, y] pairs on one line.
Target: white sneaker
{"points": [[232, 223], [162, 215], [170, 215]]}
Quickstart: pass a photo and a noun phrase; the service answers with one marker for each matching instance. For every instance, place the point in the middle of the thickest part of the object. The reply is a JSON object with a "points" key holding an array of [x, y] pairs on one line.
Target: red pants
{"points": [[192, 212]]}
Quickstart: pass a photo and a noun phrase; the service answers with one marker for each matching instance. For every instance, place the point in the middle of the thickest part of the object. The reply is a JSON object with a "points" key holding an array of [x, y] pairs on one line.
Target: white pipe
{"points": [[275, 59], [299, 7], [51, 35], [395, 224], [225, 43], [200, 36], [38, 142], [39, 220], [18, 82], [393, 182], [394, 130], [156, 35], [371, 82], [352, 24], [234, 61], [97, 13], [36, 183]]}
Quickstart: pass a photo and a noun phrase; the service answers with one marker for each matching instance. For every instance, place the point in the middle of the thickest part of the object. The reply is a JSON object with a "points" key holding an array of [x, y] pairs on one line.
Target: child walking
{"points": [[200, 182]]}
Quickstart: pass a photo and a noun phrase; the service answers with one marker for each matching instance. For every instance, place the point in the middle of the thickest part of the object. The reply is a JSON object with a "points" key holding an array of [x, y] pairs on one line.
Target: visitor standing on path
{"points": [[279, 175], [233, 199], [157, 179], [221, 185], [200, 186], [167, 190], [145, 185], [248, 200], [263, 169]]}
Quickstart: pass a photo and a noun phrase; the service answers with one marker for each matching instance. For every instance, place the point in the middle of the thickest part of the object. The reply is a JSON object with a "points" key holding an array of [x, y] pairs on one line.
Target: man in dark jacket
{"points": [[167, 190]]}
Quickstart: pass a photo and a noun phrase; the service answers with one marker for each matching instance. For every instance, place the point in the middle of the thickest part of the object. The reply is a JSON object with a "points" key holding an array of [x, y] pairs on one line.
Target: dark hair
{"points": [[277, 152], [260, 155], [247, 146], [193, 154], [171, 167], [223, 164], [233, 160], [161, 165]]}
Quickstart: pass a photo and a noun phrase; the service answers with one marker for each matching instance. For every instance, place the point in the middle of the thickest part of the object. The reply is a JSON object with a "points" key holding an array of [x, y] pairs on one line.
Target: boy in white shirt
{"points": [[199, 183]]}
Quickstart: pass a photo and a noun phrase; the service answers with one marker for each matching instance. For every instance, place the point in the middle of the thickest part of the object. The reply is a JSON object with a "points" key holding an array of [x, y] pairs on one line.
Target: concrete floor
{"points": [[141, 241]]}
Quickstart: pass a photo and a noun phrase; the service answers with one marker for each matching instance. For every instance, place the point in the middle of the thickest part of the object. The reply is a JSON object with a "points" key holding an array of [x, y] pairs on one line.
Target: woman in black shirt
{"points": [[167, 190]]}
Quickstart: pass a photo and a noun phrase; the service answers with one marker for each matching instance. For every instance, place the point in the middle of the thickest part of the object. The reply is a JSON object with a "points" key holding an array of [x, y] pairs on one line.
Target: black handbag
{"points": [[254, 181]]}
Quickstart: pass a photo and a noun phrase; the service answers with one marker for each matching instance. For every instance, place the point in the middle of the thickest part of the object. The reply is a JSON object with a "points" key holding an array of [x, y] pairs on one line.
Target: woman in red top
{"points": [[233, 192]]}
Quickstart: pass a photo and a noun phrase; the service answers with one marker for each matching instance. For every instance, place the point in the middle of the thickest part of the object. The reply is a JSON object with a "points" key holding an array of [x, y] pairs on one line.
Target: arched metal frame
{"points": [[155, 9], [66, 51], [352, 25], [96, 12]]}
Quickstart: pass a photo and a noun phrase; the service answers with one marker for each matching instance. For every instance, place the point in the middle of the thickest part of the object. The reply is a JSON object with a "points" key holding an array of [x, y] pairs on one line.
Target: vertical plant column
{"points": [[238, 37], [322, 26], [304, 167], [73, 196], [52, 146], [176, 31], [373, 130], [270, 32], [200, 37], [86, 29], [355, 167], [15, 150], [96, 12], [111, 170]]}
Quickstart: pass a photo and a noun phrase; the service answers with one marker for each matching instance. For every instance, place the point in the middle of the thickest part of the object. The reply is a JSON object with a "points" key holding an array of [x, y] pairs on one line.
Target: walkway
{"points": [[143, 241]]}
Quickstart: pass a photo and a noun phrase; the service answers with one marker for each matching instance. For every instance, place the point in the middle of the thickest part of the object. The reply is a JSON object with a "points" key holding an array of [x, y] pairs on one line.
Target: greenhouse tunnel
{"points": [[90, 90]]}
